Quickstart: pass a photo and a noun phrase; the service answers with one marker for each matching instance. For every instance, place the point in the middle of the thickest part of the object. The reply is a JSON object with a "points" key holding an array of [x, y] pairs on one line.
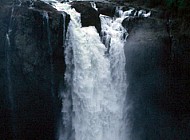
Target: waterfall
{"points": [[95, 89], [95, 83], [97, 109]]}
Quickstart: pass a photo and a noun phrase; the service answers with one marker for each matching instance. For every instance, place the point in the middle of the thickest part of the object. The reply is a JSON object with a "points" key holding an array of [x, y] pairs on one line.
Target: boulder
{"points": [[106, 8], [89, 16]]}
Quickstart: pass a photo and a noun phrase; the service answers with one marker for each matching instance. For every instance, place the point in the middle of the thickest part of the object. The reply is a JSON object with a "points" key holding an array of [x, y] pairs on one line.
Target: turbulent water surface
{"points": [[95, 93]]}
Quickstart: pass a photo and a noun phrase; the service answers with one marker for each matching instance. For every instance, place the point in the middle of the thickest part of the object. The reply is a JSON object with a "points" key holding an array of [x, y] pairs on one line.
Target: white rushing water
{"points": [[94, 99]]}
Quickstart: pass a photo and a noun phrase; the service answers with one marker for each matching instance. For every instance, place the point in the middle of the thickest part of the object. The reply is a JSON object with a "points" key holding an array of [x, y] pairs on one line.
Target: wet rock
{"points": [[80, 5], [106, 8], [6, 2], [179, 94], [129, 23], [35, 68], [157, 63], [89, 16]]}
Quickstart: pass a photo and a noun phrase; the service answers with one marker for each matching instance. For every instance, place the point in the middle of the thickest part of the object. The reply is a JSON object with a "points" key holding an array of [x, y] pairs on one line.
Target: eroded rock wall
{"points": [[157, 54], [33, 72]]}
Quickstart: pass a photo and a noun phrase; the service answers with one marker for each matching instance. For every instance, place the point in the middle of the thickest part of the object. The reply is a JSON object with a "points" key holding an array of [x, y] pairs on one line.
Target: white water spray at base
{"points": [[97, 103], [94, 97]]}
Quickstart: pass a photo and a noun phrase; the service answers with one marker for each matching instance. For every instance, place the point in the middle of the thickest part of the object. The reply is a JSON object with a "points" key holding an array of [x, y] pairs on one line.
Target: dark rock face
{"points": [[158, 75], [89, 16], [179, 94], [6, 2], [157, 66], [106, 8], [80, 5], [31, 69]]}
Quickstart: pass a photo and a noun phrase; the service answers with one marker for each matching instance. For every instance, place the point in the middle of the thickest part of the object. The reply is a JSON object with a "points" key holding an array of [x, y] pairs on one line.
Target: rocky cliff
{"points": [[32, 66], [158, 56]]}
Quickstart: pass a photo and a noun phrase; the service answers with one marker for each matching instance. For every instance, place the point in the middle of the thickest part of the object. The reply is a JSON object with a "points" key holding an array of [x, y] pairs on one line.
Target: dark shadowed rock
{"points": [[179, 94], [43, 6], [129, 23], [106, 8], [157, 65], [157, 71], [80, 6], [31, 70], [7, 2], [89, 16]]}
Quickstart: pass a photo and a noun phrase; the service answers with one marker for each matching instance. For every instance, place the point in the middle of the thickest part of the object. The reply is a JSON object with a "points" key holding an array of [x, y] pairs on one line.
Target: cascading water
{"points": [[96, 83], [94, 98], [97, 106]]}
